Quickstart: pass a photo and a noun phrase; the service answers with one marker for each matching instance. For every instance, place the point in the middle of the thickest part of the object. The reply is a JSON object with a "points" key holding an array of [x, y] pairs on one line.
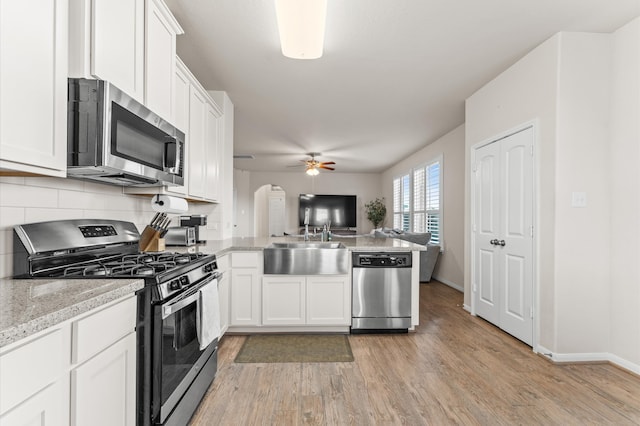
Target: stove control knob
{"points": [[208, 267], [184, 280], [174, 285]]}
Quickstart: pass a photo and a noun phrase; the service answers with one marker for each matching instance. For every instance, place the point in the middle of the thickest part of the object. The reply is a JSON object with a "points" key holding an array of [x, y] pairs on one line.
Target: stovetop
{"points": [[137, 265]]}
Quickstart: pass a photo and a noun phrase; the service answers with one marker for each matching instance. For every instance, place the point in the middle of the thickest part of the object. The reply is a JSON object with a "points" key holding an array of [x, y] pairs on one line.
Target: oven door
{"points": [[177, 357]]}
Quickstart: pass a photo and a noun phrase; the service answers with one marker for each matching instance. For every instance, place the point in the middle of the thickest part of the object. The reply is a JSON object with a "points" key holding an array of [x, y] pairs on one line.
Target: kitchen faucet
{"points": [[306, 224]]}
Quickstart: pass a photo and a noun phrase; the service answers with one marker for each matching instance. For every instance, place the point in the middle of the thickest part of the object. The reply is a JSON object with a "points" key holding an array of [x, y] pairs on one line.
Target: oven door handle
{"points": [[180, 304], [169, 309]]}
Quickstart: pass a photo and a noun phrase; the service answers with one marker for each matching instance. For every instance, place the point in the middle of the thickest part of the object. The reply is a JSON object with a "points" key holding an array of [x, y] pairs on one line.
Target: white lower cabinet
{"points": [[246, 270], [45, 408], [323, 300], [329, 300], [103, 390], [223, 292], [79, 372], [283, 300]]}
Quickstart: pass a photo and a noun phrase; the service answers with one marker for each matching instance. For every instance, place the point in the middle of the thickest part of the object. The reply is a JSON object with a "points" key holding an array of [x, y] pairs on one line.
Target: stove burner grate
{"points": [[133, 265]]}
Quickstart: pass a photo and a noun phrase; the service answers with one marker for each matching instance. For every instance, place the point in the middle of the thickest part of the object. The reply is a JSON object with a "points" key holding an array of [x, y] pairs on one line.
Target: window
{"points": [[417, 200]]}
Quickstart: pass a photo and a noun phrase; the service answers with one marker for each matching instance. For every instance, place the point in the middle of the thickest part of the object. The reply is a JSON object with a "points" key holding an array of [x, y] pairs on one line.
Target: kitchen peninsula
{"points": [[37, 319]]}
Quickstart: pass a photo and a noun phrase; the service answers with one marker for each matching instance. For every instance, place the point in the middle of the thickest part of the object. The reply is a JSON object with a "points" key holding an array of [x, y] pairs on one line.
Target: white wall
{"points": [[365, 185], [243, 204], [450, 266], [582, 151], [526, 91], [625, 194], [583, 92]]}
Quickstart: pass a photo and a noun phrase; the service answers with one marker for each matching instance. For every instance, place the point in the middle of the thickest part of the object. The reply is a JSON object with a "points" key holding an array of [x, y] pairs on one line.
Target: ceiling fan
{"points": [[312, 165]]}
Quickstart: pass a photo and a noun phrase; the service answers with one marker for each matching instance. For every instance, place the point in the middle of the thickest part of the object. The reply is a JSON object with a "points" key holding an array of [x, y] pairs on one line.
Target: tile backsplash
{"points": [[37, 199]]}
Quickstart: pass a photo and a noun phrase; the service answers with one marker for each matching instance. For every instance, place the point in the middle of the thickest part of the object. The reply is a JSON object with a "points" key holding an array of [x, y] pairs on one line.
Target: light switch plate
{"points": [[578, 199]]}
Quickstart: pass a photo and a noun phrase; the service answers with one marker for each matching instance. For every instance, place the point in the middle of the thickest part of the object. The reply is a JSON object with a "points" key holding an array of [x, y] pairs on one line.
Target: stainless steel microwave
{"points": [[114, 139]]}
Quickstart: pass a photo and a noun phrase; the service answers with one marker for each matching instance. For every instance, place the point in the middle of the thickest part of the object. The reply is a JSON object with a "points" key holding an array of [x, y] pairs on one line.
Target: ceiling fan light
{"points": [[301, 24], [312, 171]]}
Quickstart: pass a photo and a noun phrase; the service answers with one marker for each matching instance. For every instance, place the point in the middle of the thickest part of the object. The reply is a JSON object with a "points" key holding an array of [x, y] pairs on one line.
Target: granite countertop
{"points": [[353, 243], [29, 306]]}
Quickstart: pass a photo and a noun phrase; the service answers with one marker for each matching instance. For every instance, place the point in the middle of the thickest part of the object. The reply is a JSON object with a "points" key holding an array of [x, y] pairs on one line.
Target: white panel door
{"points": [[33, 86], [117, 44], [503, 223], [283, 300], [197, 160], [487, 204], [103, 390], [49, 407], [329, 300]]}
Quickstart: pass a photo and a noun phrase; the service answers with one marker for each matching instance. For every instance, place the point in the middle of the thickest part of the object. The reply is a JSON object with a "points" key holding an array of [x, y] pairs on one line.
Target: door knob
{"points": [[493, 242], [502, 243]]}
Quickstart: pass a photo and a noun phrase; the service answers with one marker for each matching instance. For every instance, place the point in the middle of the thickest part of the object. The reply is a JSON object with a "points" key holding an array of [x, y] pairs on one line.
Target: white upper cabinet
{"points": [[212, 153], [106, 41], [203, 140], [33, 79], [160, 48]]}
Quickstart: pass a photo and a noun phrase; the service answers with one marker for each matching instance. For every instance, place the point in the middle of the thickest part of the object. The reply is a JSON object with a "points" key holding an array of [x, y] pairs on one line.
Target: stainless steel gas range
{"points": [[177, 342]]}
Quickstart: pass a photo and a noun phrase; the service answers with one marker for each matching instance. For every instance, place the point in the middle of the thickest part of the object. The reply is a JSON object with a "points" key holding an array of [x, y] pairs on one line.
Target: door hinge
{"points": [[531, 231], [531, 312], [474, 287], [474, 167], [531, 150]]}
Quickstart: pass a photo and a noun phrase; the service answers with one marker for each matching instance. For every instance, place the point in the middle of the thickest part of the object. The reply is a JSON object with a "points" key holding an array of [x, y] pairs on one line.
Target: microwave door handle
{"points": [[171, 156]]}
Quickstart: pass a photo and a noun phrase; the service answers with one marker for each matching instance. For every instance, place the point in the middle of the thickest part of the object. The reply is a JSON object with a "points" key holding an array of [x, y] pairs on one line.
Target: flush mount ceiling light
{"points": [[301, 25]]}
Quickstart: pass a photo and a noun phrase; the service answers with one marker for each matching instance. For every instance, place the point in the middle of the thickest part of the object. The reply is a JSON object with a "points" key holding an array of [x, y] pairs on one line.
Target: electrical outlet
{"points": [[578, 199]]}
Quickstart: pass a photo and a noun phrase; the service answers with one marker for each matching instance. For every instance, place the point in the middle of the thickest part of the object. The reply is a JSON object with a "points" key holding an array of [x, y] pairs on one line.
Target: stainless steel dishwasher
{"points": [[381, 298]]}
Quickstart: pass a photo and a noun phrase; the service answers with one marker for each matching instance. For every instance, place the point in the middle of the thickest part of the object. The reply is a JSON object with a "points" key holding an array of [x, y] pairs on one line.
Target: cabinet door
{"points": [[245, 297], [197, 160], [49, 407], [212, 141], [104, 388], [328, 300], [223, 292], [33, 83], [283, 300], [117, 44], [160, 50]]}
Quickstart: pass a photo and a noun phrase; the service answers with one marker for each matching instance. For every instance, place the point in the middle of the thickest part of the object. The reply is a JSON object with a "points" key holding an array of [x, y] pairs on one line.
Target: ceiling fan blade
{"points": [[328, 162], [322, 166]]}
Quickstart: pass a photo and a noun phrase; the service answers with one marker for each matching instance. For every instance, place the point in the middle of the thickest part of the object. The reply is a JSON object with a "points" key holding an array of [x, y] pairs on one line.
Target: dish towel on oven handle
{"points": [[208, 325]]}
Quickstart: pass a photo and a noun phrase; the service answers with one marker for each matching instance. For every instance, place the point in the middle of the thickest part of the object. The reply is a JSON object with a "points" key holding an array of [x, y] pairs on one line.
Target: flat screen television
{"points": [[339, 209]]}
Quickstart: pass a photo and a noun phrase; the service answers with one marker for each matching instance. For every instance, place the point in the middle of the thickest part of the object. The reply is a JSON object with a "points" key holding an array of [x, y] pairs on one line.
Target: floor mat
{"points": [[295, 348]]}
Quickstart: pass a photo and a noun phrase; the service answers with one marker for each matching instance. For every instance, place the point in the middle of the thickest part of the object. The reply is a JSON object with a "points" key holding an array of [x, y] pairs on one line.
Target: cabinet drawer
{"points": [[96, 332], [223, 262], [33, 366], [244, 260]]}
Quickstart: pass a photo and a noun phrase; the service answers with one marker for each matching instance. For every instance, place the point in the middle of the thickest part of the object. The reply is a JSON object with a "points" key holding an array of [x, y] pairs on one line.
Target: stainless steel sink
{"points": [[306, 258], [307, 245]]}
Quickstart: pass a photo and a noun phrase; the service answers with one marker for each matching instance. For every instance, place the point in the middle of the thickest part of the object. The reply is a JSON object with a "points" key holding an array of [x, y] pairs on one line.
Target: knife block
{"points": [[150, 240]]}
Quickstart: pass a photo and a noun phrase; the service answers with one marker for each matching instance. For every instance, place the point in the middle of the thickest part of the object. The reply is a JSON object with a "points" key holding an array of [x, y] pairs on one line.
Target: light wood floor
{"points": [[456, 369]]}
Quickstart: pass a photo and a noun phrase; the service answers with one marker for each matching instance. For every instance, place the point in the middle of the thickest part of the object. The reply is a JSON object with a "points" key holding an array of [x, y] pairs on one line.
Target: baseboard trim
{"points": [[576, 358], [466, 307], [449, 283]]}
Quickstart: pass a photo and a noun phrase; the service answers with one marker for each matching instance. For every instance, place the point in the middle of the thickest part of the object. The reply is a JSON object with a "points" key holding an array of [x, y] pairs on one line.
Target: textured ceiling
{"points": [[393, 77]]}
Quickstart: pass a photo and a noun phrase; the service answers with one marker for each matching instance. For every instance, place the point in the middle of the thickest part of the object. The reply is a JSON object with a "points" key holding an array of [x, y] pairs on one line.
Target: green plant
{"points": [[376, 211]]}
